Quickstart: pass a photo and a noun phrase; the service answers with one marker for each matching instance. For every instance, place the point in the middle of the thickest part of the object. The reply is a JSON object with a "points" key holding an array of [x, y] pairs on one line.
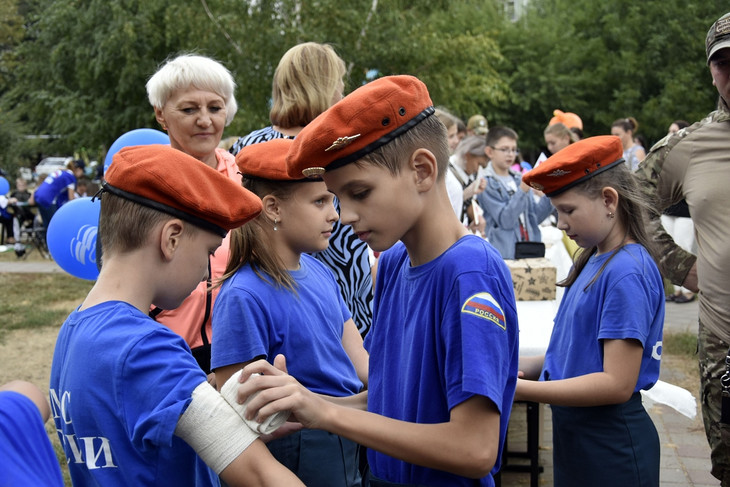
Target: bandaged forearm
{"points": [[230, 392], [213, 429]]}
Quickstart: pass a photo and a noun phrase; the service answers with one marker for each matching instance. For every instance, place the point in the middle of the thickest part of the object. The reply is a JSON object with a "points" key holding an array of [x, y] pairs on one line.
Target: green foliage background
{"points": [[77, 69]]}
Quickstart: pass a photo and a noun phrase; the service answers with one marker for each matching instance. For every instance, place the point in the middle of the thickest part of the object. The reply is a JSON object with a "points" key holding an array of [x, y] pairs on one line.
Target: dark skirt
{"points": [[605, 446], [319, 458], [376, 482]]}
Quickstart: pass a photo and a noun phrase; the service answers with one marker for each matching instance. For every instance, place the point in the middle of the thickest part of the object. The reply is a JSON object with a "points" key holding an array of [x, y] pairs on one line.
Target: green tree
{"points": [[607, 60], [84, 63], [78, 68]]}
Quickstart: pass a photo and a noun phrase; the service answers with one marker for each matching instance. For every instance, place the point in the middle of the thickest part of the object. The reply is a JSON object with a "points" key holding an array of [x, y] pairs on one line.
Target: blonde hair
{"points": [[560, 130], [188, 70], [446, 118], [305, 83]]}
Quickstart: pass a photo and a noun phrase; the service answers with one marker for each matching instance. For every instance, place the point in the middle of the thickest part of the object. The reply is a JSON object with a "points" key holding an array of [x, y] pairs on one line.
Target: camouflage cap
{"points": [[718, 37], [478, 124]]}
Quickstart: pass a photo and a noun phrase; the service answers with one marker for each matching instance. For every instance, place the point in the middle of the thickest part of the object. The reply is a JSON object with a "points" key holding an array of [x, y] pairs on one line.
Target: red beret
{"points": [[363, 121], [266, 160], [173, 182], [576, 163]]}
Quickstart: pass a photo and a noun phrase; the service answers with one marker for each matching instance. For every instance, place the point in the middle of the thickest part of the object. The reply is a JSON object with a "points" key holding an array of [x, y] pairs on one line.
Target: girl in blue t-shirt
{"points": [[606, 342], [276, 299]]}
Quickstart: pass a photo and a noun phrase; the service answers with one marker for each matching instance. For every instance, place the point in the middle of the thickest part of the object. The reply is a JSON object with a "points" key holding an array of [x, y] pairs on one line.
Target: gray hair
{"points": [[472, 144], [188, 70]]}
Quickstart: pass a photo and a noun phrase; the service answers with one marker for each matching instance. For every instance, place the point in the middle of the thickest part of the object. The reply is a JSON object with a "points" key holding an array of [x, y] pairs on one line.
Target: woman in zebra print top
{"points": [[307, 81]]}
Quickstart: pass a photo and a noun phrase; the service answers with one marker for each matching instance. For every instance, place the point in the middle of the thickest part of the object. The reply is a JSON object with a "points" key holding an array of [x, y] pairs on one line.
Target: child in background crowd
{"points": [[443, 346], [276, 299], [558, 136], [451, 122], [511, 212], [606, 343]]}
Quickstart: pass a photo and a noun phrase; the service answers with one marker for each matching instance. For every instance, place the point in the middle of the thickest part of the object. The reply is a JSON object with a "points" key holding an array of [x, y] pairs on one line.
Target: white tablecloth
{"points": [[536, 325]]}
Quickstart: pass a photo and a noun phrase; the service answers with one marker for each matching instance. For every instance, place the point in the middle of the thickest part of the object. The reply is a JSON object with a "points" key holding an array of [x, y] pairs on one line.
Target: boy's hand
{"points": [[278, 391]]}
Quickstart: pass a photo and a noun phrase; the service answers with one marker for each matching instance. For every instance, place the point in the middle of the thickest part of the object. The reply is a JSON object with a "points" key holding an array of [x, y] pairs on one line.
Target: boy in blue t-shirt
{"points": [[130, 403], [443, 345]]}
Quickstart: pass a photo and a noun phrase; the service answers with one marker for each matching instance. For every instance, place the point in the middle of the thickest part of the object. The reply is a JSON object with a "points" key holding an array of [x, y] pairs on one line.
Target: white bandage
{"points": [[270, 424], [211, 427]]}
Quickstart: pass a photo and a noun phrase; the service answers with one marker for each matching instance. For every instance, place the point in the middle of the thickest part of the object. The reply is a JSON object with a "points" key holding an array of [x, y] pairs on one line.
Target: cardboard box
{"points": [[533, 279]]}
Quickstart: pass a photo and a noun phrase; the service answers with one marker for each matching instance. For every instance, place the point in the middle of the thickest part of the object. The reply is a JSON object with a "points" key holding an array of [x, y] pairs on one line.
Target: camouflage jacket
{"points": [[663, 182]]}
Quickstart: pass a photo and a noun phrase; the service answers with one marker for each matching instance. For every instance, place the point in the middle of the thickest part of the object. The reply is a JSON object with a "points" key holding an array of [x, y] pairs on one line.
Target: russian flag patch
{"points": [[485, 306]]}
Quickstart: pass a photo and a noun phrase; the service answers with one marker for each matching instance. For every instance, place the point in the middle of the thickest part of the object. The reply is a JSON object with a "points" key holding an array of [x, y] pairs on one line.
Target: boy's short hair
{"points": [[167, 183], [382, 122], [496, 133], [429, 134], [125, 225], [188, 70]]}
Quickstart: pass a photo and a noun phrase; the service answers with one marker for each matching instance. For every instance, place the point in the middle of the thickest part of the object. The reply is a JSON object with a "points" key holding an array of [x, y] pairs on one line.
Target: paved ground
{"points": [[685, 454]]}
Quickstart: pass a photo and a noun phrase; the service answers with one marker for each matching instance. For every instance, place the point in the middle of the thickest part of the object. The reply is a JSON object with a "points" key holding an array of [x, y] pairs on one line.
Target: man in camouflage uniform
{"points": [[694, 164]]}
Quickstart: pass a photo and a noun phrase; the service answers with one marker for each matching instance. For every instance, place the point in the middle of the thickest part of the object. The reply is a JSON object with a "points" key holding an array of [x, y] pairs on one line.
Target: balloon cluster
{"points": [[72, 232]]}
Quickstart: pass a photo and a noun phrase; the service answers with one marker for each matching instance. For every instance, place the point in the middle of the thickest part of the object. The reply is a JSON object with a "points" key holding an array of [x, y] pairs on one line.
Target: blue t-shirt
{"points": [[26, 454], [119, 383], [625, 302], [442, 333], [253, 318], [346, 256], [54, 189]]}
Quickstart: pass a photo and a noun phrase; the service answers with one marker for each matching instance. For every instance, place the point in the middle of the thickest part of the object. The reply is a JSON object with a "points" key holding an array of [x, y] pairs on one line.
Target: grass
{"points": [[38, 300], [684, 344]]}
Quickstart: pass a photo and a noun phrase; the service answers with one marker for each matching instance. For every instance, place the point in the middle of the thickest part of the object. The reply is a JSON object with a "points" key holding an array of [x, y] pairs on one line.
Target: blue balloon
{"points": [[135, 137], [4, 186], [71, 237]]}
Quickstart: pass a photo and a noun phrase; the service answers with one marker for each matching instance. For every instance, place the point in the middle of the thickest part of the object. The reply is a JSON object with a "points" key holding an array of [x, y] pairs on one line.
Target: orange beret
{"points": [[169, 180], [576, 163], [363, 121], [569, 119], [266, 160]]}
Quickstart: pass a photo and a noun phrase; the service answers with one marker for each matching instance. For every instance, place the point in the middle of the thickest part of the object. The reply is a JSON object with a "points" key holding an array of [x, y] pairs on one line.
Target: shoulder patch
{"points": [[485, 306]]}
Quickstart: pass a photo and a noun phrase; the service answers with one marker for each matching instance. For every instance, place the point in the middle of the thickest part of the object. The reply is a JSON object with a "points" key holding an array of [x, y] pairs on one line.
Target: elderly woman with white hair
{"points": [[193, 99], [463, 183]]}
